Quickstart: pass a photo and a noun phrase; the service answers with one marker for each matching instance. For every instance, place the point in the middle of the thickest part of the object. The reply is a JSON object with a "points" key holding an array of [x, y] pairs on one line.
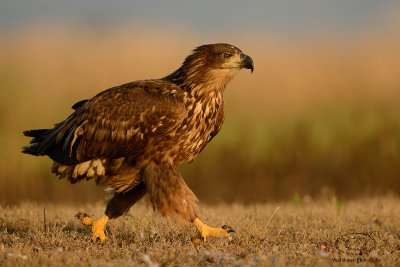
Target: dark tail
{"points": [[55, 142], [38, 136], [35, 133]]}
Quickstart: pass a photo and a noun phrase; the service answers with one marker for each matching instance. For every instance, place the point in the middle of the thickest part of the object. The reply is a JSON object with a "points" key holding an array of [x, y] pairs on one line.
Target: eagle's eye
{"points": [[226, 55]]}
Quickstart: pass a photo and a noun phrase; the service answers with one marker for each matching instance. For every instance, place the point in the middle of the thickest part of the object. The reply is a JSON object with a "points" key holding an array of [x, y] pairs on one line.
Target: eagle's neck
{"points": [[177, 77], [199, 80], [203, 90]]}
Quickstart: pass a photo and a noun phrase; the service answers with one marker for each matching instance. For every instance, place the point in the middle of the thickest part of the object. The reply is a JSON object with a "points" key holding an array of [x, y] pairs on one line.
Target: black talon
{"points": [[228, 229], [81, 215]]}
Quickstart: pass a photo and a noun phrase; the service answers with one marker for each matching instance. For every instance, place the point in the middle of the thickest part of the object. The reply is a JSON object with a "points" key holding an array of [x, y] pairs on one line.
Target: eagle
{"points": [[131, 138]]}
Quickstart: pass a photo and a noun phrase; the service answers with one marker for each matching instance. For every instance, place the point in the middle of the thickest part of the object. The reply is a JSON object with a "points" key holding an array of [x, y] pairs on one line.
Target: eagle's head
{"points": [[220, 56], [211, 66]]}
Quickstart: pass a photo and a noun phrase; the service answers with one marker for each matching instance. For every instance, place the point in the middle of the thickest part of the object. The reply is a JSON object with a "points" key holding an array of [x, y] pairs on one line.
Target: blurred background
{"points": [[319, 115]]}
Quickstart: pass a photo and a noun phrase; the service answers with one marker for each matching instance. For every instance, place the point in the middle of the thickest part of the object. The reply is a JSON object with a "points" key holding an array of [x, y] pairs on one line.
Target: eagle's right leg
{"points": [[205, 231], [169, 193], [118, 206]]}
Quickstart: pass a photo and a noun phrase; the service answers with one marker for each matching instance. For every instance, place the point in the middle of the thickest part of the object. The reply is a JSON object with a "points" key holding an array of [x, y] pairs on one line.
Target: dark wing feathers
{"points": [[117, 122], [79, 104]]}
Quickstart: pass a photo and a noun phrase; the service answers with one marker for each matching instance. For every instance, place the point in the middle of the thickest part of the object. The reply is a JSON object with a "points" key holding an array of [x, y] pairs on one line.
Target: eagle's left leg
{"points": [[118, 206], [169, 193]]}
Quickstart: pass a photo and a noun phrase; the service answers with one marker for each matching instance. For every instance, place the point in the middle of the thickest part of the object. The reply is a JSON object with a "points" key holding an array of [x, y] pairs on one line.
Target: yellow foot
{"points": [[98, 229], [97, 225], [205, 231]]}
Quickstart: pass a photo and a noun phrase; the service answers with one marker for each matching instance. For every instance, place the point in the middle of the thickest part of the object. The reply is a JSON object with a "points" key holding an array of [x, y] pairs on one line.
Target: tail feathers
{"points": [[38, 136], [32, 149], [35, 133]]}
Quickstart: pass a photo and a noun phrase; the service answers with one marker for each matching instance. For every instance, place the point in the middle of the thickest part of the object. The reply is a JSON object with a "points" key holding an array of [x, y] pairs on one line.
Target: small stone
{"points": [[326, 246], [141, 234], [146, 259], [154, 231], [23, 257], [374, 253], [274, 259], [8, 255]]}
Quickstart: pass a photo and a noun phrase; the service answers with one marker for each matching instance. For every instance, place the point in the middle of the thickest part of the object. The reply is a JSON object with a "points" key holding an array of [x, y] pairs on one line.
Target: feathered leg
{"points": [[169, 193], [118, 206], [122, 202]]}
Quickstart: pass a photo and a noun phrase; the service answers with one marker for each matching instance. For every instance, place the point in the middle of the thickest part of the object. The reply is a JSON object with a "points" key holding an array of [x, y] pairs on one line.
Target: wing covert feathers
{"points": [[116, 123], [120, 122], [105, 133]]}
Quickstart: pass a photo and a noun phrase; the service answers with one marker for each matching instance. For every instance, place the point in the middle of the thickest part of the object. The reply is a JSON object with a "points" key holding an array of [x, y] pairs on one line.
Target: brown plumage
{"points": [[132, 136]]}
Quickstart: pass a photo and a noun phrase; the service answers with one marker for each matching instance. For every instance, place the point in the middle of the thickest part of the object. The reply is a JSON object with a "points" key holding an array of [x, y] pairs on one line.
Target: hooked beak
{"points": [[246, 62]]}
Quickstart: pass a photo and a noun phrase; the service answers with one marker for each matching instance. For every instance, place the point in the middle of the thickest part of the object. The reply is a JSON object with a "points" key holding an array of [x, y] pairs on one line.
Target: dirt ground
{"points": [[308, 232]]}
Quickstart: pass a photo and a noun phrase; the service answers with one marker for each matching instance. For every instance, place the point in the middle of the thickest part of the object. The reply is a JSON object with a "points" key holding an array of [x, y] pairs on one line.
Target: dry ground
{"points": [[313, 232]]}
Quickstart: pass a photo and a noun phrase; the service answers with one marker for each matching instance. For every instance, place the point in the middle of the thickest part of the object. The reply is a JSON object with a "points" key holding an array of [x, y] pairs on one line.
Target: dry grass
{"points": [[299, 233]]}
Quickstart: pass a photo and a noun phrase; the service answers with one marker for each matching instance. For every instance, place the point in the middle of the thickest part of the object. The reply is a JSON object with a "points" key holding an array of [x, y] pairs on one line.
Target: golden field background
{"points": [[319, 115]]}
